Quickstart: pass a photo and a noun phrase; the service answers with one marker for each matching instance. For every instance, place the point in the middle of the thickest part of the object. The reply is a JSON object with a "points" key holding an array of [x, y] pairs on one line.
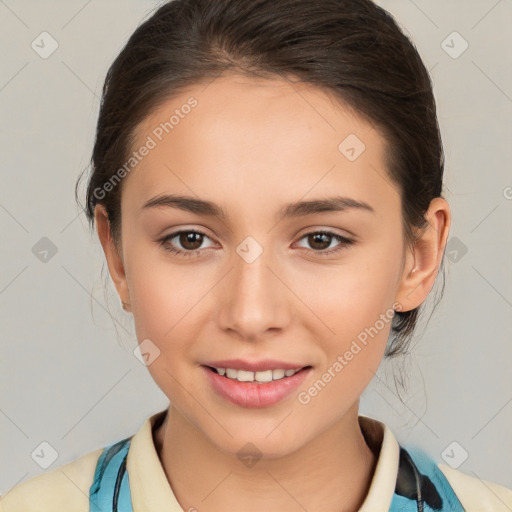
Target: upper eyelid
{"points": [[174, 234]]}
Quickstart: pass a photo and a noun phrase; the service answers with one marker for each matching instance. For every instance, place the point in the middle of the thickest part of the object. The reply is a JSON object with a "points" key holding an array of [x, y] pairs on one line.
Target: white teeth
{"points": [[263, 376], [278, 374], [244, 376], [231, 373]]}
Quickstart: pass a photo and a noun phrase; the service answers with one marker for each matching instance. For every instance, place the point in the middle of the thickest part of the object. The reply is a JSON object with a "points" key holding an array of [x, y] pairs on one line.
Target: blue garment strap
{"points": [[421, 486], [110, 490]]}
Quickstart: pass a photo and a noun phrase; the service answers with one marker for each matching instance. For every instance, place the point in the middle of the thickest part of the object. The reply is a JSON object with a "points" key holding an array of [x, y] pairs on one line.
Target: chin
{"points": [[261, 440], [250, 450]]}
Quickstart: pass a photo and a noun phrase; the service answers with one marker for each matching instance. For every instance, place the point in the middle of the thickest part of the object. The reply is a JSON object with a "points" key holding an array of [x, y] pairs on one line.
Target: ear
{"points": [[112, 255], [423, 262]]}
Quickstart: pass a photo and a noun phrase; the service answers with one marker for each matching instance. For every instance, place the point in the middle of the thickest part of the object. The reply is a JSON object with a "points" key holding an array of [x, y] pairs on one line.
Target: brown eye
{"points": [[319, 241], [190, 240]]}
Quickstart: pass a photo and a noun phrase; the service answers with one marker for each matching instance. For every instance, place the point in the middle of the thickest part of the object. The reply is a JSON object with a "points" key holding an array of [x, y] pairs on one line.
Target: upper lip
{"points": [[254, 366]]}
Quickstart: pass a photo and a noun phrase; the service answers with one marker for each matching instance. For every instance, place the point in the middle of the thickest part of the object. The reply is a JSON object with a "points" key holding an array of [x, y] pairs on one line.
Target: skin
{"points": [[251, 146]]}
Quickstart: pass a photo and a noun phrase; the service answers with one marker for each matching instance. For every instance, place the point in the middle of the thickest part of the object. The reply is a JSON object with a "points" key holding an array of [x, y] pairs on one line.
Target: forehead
{"points": [[256, 140]]}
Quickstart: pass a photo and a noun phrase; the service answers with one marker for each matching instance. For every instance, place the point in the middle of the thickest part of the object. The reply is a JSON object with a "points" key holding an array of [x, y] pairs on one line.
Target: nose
{"points": [[254, 300]]}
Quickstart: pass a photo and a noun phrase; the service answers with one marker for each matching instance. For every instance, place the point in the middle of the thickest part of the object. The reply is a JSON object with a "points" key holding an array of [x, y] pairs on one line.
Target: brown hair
{"points": [[353, 49]]}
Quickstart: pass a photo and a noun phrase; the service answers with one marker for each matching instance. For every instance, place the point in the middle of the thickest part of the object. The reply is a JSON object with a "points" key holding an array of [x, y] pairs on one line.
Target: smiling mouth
{"points": [[260, 377]]}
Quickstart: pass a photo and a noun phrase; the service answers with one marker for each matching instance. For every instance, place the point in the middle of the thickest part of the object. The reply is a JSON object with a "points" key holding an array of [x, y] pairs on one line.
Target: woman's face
{"points": [[261, 283]]}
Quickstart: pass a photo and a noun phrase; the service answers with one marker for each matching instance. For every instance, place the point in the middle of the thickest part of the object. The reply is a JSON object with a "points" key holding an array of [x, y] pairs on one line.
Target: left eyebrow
{"points": [[186, 203], [298, 209]]}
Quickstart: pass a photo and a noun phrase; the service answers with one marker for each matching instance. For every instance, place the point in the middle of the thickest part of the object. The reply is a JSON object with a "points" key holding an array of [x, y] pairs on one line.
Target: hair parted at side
{"points": [[352, 49]]}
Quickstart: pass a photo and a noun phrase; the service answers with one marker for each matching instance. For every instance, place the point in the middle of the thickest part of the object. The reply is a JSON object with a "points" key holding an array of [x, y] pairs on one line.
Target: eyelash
{"points": [[345, 242]]}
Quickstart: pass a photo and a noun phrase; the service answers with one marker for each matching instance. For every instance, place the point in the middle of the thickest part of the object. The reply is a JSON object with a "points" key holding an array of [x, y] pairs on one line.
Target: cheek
{"points": [[162, 293], [355, 302], [352, 297], [351, 359], [354, 354], [163, 298]]}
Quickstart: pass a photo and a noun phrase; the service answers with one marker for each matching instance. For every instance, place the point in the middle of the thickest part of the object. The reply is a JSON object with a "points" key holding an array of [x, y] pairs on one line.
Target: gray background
{"points": [[68, 373]]}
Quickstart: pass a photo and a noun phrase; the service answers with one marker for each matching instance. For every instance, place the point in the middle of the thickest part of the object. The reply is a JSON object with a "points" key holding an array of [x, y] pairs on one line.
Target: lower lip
{"points": [[252, 394]]}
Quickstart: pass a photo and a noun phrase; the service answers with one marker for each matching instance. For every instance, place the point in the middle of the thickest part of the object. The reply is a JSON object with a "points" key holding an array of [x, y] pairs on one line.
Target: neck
{"points": [[332, 472]]}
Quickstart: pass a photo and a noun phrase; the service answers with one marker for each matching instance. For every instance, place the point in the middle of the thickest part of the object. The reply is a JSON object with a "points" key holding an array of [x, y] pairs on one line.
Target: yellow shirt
{"points": [[66, 488]]}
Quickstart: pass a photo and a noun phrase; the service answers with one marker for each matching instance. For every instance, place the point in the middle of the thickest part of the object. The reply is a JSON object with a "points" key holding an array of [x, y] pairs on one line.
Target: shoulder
{"points": [[475, 494], [63, 488]]}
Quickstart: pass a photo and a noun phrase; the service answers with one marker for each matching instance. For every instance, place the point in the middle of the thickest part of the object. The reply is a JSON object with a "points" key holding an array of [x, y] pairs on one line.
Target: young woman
{"points": [[267, 188]]}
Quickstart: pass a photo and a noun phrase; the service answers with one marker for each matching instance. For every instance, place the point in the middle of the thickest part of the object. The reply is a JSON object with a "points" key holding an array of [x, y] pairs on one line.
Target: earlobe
{"points": [[423, 262], [112, 255]]}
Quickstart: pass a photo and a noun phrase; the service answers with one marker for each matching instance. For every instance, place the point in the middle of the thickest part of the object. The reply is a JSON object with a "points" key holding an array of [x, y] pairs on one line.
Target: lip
{"points": [[252, 394], [254, 366]]}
